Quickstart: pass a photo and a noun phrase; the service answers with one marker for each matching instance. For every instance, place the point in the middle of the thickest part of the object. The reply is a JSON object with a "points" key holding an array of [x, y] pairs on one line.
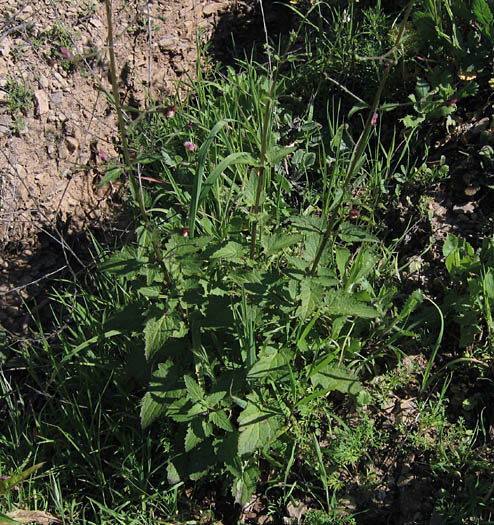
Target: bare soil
{"points": [[56, 140]]}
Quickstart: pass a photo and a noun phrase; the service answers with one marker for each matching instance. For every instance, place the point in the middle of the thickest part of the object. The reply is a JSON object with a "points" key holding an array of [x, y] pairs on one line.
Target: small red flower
{"points": [[190, 145], [354, 214], [374, 118], [184, 232], [452, 102], [65, 52]]}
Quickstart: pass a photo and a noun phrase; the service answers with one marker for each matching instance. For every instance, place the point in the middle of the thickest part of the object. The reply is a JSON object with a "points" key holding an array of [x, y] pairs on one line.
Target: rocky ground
{"points": [[57, 128]]}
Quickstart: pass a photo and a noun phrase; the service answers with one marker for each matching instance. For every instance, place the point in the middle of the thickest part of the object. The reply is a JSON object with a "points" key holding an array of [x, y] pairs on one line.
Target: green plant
{"points": [[470, 302], [19, 100]]}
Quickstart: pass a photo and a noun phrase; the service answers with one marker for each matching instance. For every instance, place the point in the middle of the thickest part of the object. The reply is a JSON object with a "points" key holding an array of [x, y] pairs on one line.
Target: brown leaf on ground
{"points": [[33, 516]]}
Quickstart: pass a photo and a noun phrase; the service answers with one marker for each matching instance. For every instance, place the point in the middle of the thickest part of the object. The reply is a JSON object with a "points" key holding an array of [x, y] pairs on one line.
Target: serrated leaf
{"points": [[343, 303], [310, 295], [257, 427], [277, 242], [220, 419], [483, 15], [196, 433], [159, 329], [195, 392], [123, 264], [349, 232], [163, 389], [213, 399], [337, 378], [277, 153], [270, 364], [244, 486], [232, 250]]}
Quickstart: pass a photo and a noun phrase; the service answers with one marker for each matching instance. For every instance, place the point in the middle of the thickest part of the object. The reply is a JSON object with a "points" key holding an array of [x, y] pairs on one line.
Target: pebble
{"points": [[5, 124], [41, 99], [56, 98]]}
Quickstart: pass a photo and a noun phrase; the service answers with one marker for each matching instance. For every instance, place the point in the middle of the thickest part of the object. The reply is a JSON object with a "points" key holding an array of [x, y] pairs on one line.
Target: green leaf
{"points": [[195, 392], [232, 250], [110, 174], [311, 294], [12, 481], [484, 16], [245, 485], [220, 419], [240, 157], [342, 258], [348, 232], [6, 519], [163, 389], [123, 263], [275, 243], [271, 364], [277, 153], [337, 378], [343, 303], [159, 329], [213, 399], [257, 426], [201, 166]]}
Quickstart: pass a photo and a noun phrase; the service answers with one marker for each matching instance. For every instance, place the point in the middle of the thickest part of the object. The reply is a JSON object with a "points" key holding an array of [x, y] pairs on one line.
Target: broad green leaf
{"points": [[489, 283], [245, 485], [110, 174], [159, 329], [213, 399], [348, 232], [149, 291], [337, 378], [6, 519], [484, 16], [220, 419], [195, 392], [232, 250], [277, 153], [343, 303], [311, 294], [342, 258], [163, 389], [275, 243], [271, 364], [257, 426], [197, 431], [122, 263]]}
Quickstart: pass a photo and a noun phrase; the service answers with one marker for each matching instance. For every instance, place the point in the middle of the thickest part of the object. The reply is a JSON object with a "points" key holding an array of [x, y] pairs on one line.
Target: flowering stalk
{"points": [[359, 147]]}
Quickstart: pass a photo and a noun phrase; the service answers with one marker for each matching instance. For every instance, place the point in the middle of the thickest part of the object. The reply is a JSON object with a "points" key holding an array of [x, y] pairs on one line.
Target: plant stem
{"points": [[137, 193], [360, 145]]}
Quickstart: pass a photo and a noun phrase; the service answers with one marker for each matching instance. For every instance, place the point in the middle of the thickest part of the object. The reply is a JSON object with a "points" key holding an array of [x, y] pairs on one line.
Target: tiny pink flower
{"points": [[103, 156], [373, 121], [169, 111], [184, 232], [65, 52], [354, 213], [190, 145], [452, 102]]}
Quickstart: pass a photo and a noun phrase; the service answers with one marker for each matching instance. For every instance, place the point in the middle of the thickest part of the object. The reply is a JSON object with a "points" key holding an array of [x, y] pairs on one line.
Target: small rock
{"points": [[5, 124], [56, 98], [41, 99], [4, 96], [43, 82], [96, 22], [168, 44], [210, 9], [72, 144]]}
